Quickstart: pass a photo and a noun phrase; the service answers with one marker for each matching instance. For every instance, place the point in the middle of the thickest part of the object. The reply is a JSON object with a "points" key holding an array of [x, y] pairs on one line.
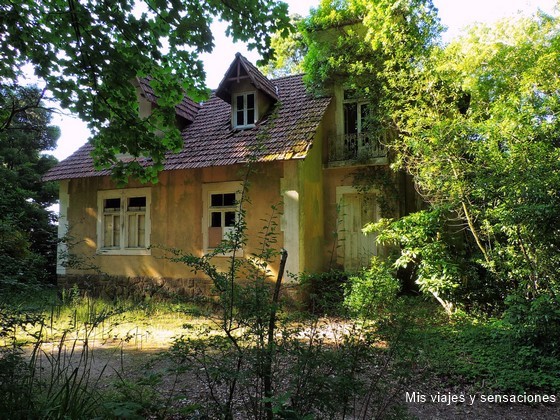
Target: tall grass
{"points": [[48, 367], [46, 380]]}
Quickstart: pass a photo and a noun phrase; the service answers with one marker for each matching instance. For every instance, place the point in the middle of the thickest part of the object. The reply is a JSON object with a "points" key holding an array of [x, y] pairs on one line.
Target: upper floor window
{"points": [[124, 221], [244, 110], [357, 138], [355, 115]]}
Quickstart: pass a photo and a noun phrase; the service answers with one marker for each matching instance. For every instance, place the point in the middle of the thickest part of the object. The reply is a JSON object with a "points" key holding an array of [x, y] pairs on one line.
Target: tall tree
{"points": [[27, 231], [88, 52], [482, 140], [289, 51]]}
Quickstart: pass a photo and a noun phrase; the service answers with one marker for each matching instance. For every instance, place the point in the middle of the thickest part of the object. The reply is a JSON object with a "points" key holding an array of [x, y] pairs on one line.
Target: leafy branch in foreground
{"points": [[88, 52]]}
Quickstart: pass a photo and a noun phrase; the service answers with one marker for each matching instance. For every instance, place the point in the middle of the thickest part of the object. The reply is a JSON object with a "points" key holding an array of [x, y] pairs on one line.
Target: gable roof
{"points": [[186, 109], [285, 133], [243, 68]]}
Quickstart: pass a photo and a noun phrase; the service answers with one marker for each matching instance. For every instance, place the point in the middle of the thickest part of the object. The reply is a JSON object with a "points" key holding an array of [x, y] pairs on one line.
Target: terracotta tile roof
{"points": [[285, 133], [78, 165], [186, 109]]}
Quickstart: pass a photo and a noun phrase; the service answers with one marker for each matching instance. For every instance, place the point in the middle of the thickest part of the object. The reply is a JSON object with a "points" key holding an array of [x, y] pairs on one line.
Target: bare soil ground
{"points": [[480, 410], [144, 354]]}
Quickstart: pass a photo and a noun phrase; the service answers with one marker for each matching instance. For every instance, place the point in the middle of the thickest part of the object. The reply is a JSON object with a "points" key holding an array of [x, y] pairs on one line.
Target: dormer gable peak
{"points": [[241, 70]]}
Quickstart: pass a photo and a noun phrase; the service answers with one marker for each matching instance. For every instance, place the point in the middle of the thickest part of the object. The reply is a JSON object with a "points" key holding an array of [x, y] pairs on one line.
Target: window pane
{"points": [[251, 101], [132, 231], [136, 203], [216, 219], [217, 200], [108, 231], [350, 118], [141, 231], [229, 218], [239, 120], [229, 199], [239, 102], [250, 116], [116, 231], [364, 118], [112, 204]]}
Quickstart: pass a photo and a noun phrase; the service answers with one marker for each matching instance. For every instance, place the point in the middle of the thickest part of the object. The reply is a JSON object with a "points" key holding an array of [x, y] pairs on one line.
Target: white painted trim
{"points": [[291, 217], [217, 188], [123, 194], [234, 109]]}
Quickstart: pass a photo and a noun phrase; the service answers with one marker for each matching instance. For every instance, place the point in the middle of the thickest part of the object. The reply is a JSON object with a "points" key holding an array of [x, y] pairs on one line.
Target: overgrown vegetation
{"points": [[261, 362], [475, 123], [68, 356], [56, 357]]}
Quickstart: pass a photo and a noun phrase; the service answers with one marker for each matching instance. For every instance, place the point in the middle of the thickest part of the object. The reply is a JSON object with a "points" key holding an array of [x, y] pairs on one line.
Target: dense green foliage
{"points": [[324, 292], [476, 125], [481, 140], [483, 356], [289, 52], [372, 293], [88, 52], [372, 47], [27, 230]]}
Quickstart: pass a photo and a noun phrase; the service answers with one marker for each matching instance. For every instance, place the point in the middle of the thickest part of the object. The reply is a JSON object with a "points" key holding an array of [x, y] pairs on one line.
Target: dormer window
{"points": [[244, 110]]}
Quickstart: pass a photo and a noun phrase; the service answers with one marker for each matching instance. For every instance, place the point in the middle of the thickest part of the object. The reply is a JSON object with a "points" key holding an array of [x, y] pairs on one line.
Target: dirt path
{"points": [[141, 354]]}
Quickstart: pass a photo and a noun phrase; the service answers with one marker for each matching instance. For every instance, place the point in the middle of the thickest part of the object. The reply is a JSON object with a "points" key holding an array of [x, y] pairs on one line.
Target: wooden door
{"points": [[358, 248]]}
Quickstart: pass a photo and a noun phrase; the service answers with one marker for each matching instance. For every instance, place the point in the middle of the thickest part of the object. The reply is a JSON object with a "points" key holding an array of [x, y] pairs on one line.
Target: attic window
{"points": [[244, 110]]}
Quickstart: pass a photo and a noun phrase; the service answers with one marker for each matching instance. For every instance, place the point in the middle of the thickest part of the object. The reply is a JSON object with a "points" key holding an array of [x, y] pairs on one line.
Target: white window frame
{"points": [[359, 104], [209, 189], [122, 247], [246, 123]]}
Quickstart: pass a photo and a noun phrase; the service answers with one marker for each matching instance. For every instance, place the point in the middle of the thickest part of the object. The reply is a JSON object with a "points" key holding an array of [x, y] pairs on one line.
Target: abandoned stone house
{"points": [[304, 150]]}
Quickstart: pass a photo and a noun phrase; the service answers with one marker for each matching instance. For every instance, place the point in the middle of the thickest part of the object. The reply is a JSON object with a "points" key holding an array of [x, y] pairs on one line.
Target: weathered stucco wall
{"points": [[176, 220], [312, 207]]}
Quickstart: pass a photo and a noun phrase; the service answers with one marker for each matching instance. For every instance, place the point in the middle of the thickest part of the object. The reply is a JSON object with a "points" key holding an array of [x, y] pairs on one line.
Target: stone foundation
{"points": [[136, 287]]}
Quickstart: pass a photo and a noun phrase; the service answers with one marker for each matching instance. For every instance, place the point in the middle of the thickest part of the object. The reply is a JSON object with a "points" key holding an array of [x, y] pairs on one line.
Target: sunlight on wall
{"points": [[90, 243]]}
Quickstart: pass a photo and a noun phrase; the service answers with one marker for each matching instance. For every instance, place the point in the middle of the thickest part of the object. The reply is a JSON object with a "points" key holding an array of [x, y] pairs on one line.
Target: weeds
{"points": [[261, 362], [48, 367]]}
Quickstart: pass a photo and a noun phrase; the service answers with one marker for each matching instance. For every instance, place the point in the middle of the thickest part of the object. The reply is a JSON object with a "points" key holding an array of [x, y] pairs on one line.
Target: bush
{"points": [[324, 291], [534, 322], [15, 392], [373, 291]]}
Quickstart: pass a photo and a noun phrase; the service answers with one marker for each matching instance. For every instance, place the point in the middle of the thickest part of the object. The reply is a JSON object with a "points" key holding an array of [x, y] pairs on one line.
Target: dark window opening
{"points": [[112, 204]]}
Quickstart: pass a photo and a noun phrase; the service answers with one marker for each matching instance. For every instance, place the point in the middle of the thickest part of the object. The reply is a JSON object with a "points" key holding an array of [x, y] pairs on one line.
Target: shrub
{"points": [[324, 291], [534, 322], [373, 291]]}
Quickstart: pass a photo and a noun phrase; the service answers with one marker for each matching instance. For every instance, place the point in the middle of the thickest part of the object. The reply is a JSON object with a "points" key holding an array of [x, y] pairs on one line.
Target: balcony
{"points": [[356, 149]]}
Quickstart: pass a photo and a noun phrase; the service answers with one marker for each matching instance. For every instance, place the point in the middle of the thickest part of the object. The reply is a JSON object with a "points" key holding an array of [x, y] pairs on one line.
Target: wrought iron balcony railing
{"points": [[355, 148]]}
